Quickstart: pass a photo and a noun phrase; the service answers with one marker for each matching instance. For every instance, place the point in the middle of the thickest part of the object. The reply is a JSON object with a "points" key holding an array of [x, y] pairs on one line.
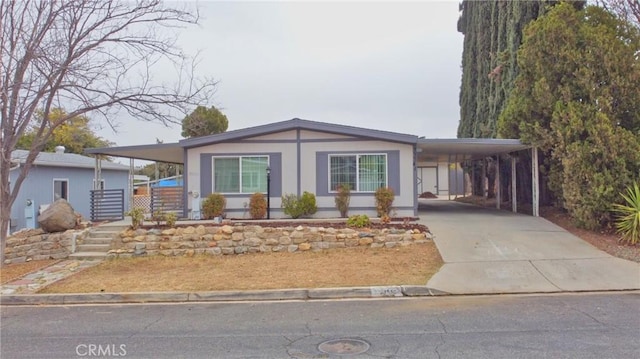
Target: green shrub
{"points": [[157, 216], [343, 197], [137, 216], [384, 201], [299, 207], [257, 206], [628, 221], [170, 219], [213, 206], [308, 203], [358, 221]]}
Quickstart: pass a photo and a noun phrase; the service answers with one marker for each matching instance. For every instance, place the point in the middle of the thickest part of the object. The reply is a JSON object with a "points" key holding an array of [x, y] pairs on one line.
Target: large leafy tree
{"points": [[577, 98], [89, 57], [75, 135], [204, 121]]}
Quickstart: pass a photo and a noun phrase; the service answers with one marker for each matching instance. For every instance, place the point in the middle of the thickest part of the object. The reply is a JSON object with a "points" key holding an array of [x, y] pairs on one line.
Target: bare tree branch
{"points": [[625, 9], [87, 56]]}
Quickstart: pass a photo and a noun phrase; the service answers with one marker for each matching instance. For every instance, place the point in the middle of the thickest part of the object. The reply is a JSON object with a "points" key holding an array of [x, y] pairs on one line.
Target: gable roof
{"points": [[295, 124], [71, 160]]}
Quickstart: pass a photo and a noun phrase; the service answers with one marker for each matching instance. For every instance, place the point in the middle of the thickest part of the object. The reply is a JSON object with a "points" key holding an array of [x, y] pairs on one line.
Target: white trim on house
{"points": [[67, 190]]}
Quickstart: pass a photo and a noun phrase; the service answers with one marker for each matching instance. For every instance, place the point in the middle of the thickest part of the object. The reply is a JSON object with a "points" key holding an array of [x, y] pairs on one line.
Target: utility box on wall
{"points": [[30, 214]]}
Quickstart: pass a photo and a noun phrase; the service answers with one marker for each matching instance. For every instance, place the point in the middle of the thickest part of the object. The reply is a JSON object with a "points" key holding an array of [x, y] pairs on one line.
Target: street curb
{"points": [[222, 296]]}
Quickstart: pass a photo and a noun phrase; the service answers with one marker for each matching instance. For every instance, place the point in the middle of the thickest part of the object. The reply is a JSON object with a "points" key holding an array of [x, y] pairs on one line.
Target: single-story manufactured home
{"points": [[60, 175], [295, 156]]}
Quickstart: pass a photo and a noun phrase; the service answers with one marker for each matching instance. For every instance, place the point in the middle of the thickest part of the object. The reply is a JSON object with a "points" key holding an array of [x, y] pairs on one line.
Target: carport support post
{"points": [[97, 173], [130, 183], [484, 181], [514, 197], [535, 195], [497, 184], [449, 177], [456, 176]]}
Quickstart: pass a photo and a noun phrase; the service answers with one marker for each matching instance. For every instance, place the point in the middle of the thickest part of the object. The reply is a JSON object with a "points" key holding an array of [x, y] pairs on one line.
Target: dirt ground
{"points": [[607, 241], [12, 272], [413, 264]]}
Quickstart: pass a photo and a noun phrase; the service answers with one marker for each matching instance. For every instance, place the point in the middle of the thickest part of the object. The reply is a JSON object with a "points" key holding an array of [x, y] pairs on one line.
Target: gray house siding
{"points": [[38, 187]]}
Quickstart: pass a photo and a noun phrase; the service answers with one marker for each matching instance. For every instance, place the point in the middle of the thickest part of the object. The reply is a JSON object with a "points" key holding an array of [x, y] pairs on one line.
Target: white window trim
{"points": [[239, 157], [104, 183], [53, 186], [386, 169]]}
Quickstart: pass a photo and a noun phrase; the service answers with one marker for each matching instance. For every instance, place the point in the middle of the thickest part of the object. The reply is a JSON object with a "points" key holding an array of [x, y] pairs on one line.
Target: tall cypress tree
{"points": [[492, 35], [493, 32]]}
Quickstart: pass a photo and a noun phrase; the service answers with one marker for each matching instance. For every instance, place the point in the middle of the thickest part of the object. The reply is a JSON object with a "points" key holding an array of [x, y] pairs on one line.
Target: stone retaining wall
{"points": [[24, 247], [239, 239]]}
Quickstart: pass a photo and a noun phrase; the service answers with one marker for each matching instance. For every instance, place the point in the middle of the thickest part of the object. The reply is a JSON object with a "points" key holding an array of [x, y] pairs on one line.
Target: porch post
{"points": [[97, 173], [497, 184], [131, 170], [449, 177], [535, 182], [456, 176], [464, 178], [484, 181], [514, 192]]}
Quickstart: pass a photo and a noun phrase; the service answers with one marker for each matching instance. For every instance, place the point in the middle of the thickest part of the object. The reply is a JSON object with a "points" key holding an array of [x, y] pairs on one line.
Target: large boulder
{"points": [[58, 217]]}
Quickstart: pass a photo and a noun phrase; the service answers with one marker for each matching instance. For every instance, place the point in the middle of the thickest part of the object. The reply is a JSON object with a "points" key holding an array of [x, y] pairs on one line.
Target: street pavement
{"points": [[585, 325], [488, 251]]}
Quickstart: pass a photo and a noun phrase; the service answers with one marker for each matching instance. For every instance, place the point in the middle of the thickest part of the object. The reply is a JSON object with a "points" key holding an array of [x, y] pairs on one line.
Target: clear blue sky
{"points": [[383, 65]]}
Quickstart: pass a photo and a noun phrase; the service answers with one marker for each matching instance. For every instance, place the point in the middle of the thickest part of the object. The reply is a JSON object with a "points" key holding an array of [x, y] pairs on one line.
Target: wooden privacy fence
{"points": [[167, 199], [107, 204]]}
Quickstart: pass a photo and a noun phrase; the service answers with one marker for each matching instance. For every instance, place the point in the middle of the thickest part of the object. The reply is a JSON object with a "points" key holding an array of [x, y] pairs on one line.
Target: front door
{"points": [[427, 180]]}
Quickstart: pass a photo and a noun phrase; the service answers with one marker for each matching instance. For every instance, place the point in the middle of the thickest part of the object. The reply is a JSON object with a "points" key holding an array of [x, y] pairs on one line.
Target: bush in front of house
{"points": [[384, 201], [170, 219], [257, 206], [343, 197], [213, 206], [297, 207], [358, 221], [137, 216]]}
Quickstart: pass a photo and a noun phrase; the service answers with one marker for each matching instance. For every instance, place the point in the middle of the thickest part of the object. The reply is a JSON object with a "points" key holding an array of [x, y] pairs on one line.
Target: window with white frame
{"points": [[101, 184], [240, 174], [362, 172], [60, 189]]}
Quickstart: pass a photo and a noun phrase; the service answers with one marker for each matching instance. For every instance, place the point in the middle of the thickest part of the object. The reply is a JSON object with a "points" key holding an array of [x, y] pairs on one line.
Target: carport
{"points": [[458, 150]]}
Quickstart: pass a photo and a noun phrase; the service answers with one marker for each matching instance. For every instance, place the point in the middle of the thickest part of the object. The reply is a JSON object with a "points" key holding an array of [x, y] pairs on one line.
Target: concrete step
{"points": [[92, 248], [102, 234], [88, 255], [97, 241]]}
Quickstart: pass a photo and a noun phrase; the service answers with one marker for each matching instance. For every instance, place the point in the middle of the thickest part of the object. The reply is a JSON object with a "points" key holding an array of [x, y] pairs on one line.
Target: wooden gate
{"points": [[167, 199]]}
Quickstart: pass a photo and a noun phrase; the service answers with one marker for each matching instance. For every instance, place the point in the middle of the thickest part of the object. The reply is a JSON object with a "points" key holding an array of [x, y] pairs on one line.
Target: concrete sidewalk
{"points": [[488, 251]]}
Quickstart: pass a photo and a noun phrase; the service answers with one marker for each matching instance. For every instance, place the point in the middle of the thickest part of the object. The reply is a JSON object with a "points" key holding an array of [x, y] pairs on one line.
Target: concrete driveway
{"points": [[492, 251]]}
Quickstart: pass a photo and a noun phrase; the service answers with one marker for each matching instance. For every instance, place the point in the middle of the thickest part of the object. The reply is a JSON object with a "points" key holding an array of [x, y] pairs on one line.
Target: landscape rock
{"points": [[58, 217]]}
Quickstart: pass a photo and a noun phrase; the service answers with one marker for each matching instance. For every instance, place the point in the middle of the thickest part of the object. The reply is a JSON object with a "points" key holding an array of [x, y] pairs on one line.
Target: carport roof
{"points": [[460, 149], [161, 152]]}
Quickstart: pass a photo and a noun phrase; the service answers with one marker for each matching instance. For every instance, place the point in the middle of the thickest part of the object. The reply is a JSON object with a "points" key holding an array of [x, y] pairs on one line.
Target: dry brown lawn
{"points": [[12, 272], [413, 264]]}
